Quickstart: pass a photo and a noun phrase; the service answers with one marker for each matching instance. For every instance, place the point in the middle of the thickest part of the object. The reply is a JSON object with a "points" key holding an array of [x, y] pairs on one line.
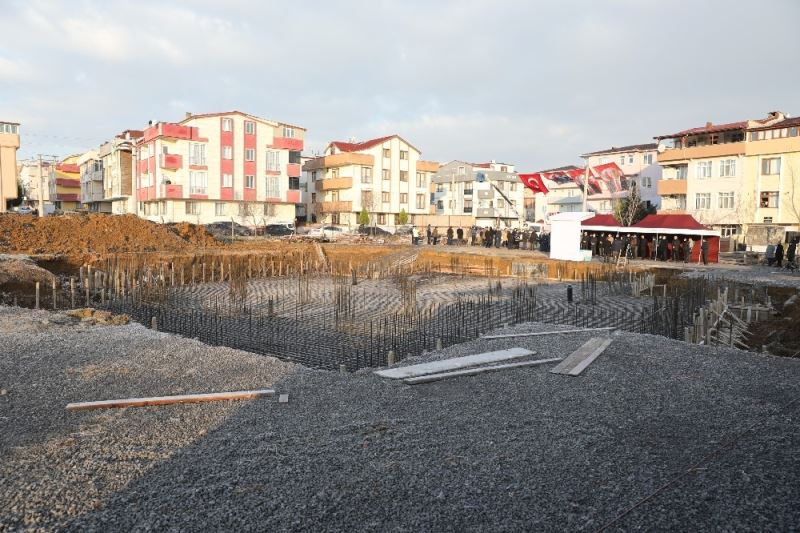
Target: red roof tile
{"points": [[602, 220], [357, 147], [669, 222]]}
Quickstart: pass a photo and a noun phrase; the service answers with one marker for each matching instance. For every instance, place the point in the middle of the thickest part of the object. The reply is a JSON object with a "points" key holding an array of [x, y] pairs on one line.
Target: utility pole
{"points": [[41, 188]]}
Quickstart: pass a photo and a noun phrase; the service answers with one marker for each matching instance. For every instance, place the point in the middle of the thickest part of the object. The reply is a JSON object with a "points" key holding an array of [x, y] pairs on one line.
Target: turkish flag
{"points": [[534, 182]]}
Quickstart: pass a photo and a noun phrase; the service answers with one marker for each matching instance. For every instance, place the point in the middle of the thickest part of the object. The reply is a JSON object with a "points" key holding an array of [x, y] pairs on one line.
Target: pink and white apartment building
{"points": [[219, 167]]}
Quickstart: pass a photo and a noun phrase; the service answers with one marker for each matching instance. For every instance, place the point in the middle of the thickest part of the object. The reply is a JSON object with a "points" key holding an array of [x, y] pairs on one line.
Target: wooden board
{"points": [[539, 333], [167, 400], [454, 363], [474, 371], [582, 357]]}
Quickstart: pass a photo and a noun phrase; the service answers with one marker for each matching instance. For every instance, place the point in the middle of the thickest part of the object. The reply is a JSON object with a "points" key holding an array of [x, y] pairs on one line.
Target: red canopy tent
{"points": [[682, 225]]}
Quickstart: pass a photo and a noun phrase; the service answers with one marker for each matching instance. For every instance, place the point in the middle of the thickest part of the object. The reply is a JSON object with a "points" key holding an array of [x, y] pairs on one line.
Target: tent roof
{"points": [[685, 222], [602, 220]]}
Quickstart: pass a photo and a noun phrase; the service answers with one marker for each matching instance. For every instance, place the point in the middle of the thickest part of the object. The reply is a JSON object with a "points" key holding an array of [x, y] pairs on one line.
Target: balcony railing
{"points": [[333, 183], [195, 189], [336, 207]]}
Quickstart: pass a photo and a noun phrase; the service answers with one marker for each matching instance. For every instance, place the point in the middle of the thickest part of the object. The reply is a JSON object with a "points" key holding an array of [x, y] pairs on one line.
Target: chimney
{"points": [[708, 125], [188, 114]]}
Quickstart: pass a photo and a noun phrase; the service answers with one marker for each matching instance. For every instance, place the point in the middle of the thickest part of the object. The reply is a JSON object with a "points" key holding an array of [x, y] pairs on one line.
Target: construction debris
{"points": [[539, 333], [454, 363], [582, 357], [169, 400], [475, 371]]}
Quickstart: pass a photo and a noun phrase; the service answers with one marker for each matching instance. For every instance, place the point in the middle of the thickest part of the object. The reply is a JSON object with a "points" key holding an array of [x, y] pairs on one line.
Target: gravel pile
{"points": [[58, 465], [515, 450]]}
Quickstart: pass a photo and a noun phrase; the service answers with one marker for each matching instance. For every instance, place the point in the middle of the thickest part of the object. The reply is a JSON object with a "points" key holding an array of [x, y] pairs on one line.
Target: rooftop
{"points": [[632, 148]]}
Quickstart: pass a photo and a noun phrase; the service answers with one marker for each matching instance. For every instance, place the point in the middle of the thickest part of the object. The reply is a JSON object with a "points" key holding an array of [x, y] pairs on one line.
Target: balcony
{"points": [[670, 187], [171, 161], [287, 143], [293, 197], [336, 207], [486, 212], [293, 170], [701, 152], [468, 210], [333, 184], [172, 191], [468, 192], [339, 160], [427, 166]]}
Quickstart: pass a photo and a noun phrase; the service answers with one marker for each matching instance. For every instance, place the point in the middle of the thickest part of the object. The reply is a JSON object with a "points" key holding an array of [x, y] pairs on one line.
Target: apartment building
{"points": [[35, 178], [91, 167], [9, 144], [564, 194], [490, 193], [639, 165], [384, 176], [116, 157], [219, 167], [65, 184], [707, 172]]}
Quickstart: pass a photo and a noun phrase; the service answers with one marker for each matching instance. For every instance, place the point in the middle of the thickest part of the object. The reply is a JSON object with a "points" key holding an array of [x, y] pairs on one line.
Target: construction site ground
{"points": [[655, 435]]}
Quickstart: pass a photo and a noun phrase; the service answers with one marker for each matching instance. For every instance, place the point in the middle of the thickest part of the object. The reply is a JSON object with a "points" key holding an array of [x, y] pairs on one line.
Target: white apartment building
{"points": [[639, 165], [491, 193], [92, 182], [219, 167], [35, 179], [116, 157], [384, 176]]}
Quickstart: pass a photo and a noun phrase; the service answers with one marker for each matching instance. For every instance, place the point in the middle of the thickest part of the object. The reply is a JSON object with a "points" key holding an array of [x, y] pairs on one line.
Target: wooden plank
{"points": [[454, 363], [538, 333], [474, 371], [582, 357], [168, 400]]}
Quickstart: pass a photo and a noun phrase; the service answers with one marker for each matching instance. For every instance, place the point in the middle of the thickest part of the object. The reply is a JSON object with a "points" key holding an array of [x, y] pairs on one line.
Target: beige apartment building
{"points": [[116, 157], [734, 177], [9, 144], [35, 179], [384, 176], [217, 167], [639, 164]]}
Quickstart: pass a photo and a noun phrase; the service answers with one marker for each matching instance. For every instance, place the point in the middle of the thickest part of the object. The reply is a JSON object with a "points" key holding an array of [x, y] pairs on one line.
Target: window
{"points": [[403, 198], [288, 132], [269, 210], [366, 174], [513, 187], [313, 175], [439, 204], [468, 206], [646, 182], [387, 153], [295, 157], [192, 208], [163, 207], [404, 154], [727, 230], [756, 135], [382, 219], [767, 220], [334, 173], [769, 199], [386, 174], [273, 160], [273, 187], [249, 127], [702, 200], [621, 160], [403, 175], [462, 171], [420, 179], [245, 210], [249, 154], [727, 168], [144, 152], [725, 200], [313, 197], [682, 172], [630, 159], [703, 169], [198, 182], [165, 149], [227, 124], [771, 166], [227, 152], [250, 182], [227, 180], [219, 209], [366, 200], [501, 203], [294, 184], [197, 154], [420, 201], [647, 159], [386, 197]]}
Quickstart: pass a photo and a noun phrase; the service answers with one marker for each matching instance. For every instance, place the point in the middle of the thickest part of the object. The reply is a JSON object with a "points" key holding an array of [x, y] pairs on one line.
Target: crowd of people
{"points": [[673, 248], [511, 238], [776, 253]]}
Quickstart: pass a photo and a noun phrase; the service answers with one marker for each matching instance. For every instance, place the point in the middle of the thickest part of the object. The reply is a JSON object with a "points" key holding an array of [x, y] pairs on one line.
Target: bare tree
{"points": [[792, 204]]}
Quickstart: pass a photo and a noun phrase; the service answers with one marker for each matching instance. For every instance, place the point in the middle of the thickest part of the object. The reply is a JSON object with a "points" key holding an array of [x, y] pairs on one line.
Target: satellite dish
{"points": [[661, 148]]}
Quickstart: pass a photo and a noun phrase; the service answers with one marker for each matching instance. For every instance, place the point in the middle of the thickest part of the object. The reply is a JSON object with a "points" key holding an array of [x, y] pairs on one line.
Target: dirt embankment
{"points": [[78, 235], [780, 334]]}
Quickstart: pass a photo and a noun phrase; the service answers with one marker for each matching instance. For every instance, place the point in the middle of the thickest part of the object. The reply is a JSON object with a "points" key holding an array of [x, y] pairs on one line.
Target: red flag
{"points": [[534, 182]]}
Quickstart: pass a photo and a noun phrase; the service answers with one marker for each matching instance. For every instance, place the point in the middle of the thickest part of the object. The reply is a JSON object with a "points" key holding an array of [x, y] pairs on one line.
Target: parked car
{"points": [[225, 229], [25, 210], [278, 230], [405, 229], [375, 231], [330, 233]]}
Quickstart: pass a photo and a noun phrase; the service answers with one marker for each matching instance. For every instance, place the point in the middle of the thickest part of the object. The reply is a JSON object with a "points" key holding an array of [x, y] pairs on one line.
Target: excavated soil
{"points": [[78, 235], [780, 334]]}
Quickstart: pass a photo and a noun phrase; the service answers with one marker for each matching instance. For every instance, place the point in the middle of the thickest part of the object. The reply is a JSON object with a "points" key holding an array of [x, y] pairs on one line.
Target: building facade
{"points": [[639, 165], [65, 184], [491, 193], [384, 176], [35, 178], [116, 157], [91, 167], [219, 167], [9, 144], [729, 176]]}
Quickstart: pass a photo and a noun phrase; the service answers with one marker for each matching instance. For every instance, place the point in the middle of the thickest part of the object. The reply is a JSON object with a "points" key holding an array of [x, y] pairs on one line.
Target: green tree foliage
{"points": [[402, 218], [363, 217]]}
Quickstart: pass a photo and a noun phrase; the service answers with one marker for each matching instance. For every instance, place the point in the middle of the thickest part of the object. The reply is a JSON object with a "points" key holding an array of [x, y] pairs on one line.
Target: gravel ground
{"points": [[754, 274], [685, 437]]}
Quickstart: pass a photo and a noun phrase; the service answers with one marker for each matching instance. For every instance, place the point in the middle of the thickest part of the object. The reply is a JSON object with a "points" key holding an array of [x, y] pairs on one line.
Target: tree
{"points": [[402, 218], [363, 217], [631, 209]]}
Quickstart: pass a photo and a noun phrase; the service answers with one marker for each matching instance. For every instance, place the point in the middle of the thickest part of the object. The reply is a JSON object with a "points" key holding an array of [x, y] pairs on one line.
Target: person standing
{"points": [[435, 236], [704, 250], [689, 246], [450, 236], [474, 234], [791, 251], [779, 254], [429, 234]]}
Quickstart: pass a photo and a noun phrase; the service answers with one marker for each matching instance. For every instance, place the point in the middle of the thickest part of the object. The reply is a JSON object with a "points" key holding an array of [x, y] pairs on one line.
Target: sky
{"points": [[530, 83]]}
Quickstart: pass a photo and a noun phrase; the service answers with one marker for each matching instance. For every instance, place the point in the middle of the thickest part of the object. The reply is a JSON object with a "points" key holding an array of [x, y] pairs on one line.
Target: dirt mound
{"points": [[82, 235], [780, 334], [23, 272]]}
